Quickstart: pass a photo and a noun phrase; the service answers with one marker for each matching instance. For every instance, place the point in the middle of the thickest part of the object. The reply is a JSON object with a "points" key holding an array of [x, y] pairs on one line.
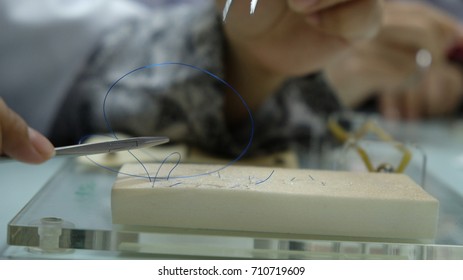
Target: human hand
{"points": [[290, 38], [438, 94], [19, 141], [387, 65]]}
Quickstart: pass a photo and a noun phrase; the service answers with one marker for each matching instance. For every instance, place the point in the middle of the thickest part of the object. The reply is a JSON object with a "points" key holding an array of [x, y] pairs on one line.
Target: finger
{"points": [[419, 26], [399, 104], [351, 20], [388, 106], [434, 96], [311, 6], [19, 141], [382, 67], [413, 105], [445, 91]]}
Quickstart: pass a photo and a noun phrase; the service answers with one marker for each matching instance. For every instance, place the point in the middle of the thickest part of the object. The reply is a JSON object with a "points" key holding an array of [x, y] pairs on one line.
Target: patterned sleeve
{"points": [[181, 102]]}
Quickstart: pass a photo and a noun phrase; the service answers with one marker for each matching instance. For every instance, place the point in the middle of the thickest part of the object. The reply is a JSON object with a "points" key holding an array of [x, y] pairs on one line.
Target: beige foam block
{"points": [[260, 199]]}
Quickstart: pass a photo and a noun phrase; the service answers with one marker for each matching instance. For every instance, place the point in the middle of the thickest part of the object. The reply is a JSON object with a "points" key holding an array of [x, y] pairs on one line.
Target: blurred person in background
{"points": [[60, 57]]}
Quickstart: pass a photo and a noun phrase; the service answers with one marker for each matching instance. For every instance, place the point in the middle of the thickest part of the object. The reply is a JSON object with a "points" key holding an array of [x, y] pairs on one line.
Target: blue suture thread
{"points": [[162, 163], [108, 123], [266, 179], [176, 184], [105, 115], [141, 163], [114, 170], [222, 81], [81, 140]]}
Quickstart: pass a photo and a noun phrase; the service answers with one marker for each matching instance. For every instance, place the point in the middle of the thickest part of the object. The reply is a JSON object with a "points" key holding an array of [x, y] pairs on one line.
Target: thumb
{"points": [[19, 141], [349, 19]]}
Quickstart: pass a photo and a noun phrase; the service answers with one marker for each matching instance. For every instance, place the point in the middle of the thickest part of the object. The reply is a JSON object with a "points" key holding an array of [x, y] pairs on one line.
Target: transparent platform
{"points": [[71, 218]]}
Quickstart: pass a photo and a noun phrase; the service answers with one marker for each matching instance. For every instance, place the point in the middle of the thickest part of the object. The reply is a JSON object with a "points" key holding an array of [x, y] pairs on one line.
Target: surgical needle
{"points": [[228, 4]]}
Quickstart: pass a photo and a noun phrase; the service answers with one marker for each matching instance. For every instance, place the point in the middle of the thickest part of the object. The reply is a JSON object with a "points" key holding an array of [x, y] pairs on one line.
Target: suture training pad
{"points": [[275, 200]]}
